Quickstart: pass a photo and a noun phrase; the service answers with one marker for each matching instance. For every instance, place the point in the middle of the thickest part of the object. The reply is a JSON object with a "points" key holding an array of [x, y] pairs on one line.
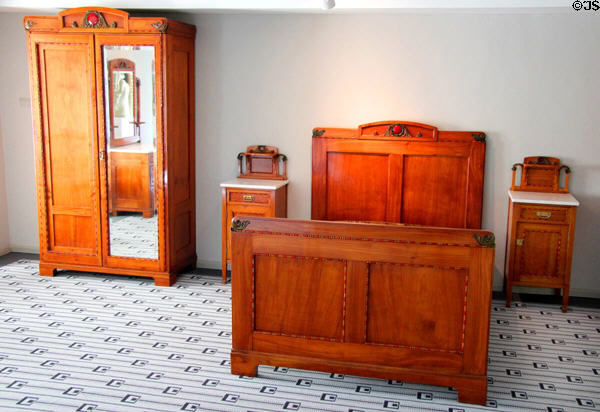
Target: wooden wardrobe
{"points": [[103, 82]]}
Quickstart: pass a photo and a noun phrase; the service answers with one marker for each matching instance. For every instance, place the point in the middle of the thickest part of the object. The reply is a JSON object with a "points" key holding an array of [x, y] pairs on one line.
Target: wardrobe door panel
{"points": [[66, 148], [180, 158]]}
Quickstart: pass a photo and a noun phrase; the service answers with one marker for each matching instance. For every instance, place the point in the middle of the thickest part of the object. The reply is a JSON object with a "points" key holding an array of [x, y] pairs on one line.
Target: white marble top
{"points": [[264, 184], [565, 199], [133, 148]]}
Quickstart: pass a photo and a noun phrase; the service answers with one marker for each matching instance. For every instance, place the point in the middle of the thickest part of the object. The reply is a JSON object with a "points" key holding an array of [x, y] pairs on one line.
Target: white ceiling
{"points": [[291, 6]]}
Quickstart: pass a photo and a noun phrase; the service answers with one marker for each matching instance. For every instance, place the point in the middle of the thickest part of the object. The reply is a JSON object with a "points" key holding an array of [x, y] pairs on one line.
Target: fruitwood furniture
{"points": [[539, 242], [380, 300], [541, 174], [394, 171], [540, 228], [68, 102], [262, 162], [248, 197], [131, 181]]}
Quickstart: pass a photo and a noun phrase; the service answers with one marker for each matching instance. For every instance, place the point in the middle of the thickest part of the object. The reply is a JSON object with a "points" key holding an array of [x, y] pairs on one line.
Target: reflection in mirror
{"points": [[131, 135], [123, 102]]}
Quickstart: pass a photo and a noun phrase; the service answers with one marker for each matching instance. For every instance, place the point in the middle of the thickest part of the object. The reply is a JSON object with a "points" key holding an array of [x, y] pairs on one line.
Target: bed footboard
{"points": [[408, 303]]}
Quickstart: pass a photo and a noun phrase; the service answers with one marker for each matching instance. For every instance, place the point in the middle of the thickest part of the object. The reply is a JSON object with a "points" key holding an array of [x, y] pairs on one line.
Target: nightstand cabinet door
{"points": [[540, 253], [539, 247]]}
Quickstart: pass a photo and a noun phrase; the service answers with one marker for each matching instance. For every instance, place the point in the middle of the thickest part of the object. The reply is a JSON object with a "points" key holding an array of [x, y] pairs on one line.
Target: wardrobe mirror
{"points": [[130, 116]]}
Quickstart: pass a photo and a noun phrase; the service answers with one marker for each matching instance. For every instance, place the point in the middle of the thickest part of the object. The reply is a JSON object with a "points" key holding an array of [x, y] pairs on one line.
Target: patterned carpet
{"points": [[133, 235], [82, 342]]}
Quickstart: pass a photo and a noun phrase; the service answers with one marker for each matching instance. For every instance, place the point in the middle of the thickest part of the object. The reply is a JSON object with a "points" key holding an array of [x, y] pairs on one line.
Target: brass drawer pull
{"points": [[249, 198], [520, 242], [543, 215]]}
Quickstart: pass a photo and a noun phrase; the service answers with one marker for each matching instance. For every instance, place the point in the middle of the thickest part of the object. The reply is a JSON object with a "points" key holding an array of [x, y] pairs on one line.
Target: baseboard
{"points": [[25, 249], [586, 293], [200, 263], [208, 264], [582, 293]]}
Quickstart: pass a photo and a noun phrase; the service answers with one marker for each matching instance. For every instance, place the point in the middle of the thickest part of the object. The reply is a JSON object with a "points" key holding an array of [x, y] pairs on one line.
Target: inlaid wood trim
{"points": [[319, 236], [464, 326], [344, 301]]}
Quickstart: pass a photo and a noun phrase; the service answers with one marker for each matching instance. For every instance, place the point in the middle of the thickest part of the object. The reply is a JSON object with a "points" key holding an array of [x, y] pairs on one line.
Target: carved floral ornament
{"points": [[239, 225], [318, 133], [479, 137], [161, 26], [488, 241], [29, 24]]}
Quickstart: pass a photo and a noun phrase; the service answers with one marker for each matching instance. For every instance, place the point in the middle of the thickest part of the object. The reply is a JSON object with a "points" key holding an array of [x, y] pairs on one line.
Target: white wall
{"points": [[530, 81], [17, 135], [4, 240]]}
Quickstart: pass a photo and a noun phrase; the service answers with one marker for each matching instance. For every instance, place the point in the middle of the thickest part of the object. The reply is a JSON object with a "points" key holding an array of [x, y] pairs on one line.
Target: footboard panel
{"points": [[397, 302]]}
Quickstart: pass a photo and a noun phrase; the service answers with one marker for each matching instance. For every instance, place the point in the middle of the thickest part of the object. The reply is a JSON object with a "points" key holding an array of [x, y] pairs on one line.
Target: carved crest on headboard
{"points": [[401, 129], [95, 19]]}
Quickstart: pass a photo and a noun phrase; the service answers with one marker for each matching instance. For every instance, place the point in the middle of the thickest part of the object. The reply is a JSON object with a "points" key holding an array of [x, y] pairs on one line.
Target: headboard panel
{"points": [[396, 171]]}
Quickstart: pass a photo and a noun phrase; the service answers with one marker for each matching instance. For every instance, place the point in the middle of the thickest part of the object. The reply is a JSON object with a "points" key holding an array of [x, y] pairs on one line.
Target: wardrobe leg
{"points": [[46, 270], [165, 280]]}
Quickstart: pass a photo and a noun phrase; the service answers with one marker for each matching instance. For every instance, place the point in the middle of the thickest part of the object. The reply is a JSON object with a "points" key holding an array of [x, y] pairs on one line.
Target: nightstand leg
{"points": [[508, 292], [565, 299], [224, 270]]}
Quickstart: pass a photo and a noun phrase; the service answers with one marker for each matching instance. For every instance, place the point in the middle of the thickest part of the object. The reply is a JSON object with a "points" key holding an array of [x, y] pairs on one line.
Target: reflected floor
{"points": [[132, 235]]}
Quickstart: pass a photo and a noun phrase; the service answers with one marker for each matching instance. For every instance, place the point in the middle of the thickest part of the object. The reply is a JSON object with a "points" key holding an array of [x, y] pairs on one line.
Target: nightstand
{"points": [[539, 241], [249, 197]]}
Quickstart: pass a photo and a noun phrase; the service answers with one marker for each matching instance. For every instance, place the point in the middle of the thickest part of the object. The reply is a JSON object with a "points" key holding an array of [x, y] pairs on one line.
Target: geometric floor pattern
{"points": [[85, 342], [134, 235]]}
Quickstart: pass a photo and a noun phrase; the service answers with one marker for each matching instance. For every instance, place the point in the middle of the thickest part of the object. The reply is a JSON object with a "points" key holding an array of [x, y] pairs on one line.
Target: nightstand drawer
{"points": [[252, 197], [543, 214]]}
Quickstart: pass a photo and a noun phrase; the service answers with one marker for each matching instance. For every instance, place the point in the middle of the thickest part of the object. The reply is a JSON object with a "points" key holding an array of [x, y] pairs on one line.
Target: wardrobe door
{"points": [[65, 128], [129, 77]]}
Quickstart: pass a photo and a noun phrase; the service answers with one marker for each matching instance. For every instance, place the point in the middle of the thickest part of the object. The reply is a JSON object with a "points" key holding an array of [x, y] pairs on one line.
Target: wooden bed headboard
{"points": [[397, 171]]}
